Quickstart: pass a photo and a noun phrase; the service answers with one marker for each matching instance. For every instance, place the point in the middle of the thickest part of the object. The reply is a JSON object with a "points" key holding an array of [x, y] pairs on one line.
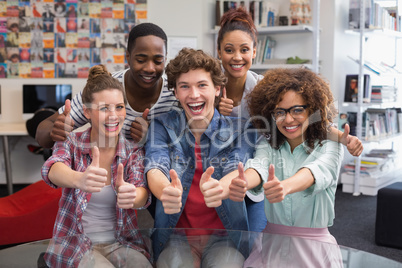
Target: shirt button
{"points": [[185, 188], [191, 167]]}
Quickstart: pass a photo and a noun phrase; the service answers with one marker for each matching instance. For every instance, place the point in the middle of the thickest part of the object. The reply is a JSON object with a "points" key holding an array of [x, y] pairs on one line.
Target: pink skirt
{"points": [[288, 246]]}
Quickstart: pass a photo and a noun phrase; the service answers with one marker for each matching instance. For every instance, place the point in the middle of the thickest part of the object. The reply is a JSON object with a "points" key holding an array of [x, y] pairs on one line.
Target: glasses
{"points": [[297, 112]]}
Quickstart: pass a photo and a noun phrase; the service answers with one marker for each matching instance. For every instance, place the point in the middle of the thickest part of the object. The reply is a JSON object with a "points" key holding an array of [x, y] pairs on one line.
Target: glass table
{"points": [[269, 249]]}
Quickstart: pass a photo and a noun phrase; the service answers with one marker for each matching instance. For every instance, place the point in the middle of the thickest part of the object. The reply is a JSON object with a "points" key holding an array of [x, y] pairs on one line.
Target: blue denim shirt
{"points": [[170, 145]]}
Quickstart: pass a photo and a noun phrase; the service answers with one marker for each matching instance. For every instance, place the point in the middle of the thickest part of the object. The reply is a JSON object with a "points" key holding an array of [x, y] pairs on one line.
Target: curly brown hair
{"points": [[237, 19], [314, 90], [191, 59], [99, 79]]}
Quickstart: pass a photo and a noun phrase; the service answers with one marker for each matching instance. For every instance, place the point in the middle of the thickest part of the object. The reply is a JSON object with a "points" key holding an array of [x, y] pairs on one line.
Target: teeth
{"points": [[237, 66], [111, 125], [291, 127], [195, 104], [147, 77]]}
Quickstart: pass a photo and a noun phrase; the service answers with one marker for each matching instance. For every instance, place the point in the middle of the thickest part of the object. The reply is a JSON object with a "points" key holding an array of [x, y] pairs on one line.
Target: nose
{"points": [[288, 117], [237, 55], [194, 92], [149, 67]]}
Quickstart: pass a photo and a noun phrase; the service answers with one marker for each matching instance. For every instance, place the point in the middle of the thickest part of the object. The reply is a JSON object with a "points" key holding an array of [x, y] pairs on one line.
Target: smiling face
{"points": [[293, 128], [107, 114], [147, 61], [237, 52], [196, 93]]}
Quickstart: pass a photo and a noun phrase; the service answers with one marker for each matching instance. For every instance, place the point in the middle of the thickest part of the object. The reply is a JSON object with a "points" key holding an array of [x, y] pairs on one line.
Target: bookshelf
{"points": [[377, 122], [289, 39]]}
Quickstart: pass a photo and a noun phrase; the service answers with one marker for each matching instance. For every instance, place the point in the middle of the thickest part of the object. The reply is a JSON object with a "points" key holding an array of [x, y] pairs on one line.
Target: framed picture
{"points": [[352, 88]]}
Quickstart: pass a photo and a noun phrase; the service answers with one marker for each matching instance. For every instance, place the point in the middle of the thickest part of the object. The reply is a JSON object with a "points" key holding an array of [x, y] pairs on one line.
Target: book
{"points": [[354, 14], [352, 88]]}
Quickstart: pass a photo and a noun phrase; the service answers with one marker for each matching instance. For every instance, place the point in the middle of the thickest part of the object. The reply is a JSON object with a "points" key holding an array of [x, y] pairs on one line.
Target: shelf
{"points": [[384, 105], [372, 32], [279, 29], [286, 66]]}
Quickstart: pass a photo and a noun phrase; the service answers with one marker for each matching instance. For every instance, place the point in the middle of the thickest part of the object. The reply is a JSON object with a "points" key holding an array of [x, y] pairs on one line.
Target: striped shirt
{"points": [[69, 242], [165, 102]]}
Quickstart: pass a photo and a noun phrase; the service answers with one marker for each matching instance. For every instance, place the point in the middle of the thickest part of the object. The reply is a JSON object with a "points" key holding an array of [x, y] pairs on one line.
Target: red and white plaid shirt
{"points": [[69, 241]]}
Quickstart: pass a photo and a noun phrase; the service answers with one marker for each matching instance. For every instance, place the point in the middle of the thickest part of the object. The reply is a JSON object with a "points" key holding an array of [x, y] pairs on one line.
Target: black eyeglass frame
{"points": [[287, 111]]}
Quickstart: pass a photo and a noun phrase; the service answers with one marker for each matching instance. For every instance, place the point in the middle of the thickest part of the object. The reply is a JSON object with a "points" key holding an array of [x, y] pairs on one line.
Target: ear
{"points": [[217, 91], [219, 54], [175, 92], [87, 112], [127, 56], [254, 52]]}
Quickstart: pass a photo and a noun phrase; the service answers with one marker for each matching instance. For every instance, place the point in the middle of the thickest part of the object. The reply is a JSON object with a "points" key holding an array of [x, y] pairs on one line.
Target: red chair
{"points": [[29, 214]]}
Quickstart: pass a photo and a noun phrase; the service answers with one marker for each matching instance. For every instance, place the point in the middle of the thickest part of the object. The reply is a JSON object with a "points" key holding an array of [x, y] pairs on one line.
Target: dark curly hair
{"points": [[237, 19], [314, 90], [99, 79], [191, 59]]}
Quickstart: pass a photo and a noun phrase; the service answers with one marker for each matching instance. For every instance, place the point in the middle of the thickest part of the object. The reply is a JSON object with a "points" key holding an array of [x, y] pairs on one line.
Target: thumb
{"points": [[206, 176], [175, 181], [120, 176], [95, 156], [224, 93], [271, 172], [345, 134], [145, 114], [240, 168], [67, 107]]}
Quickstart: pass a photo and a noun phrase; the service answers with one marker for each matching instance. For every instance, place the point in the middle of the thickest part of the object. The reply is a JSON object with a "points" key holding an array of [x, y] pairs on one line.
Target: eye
{"points": [[279, 113], [120, 107], [228, 50], [298, 110], [103, 109], [245, 50]]}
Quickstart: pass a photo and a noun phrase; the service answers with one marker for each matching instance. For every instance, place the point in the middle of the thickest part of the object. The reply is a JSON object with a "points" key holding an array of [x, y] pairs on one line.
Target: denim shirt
{"points": [[170, 145]]}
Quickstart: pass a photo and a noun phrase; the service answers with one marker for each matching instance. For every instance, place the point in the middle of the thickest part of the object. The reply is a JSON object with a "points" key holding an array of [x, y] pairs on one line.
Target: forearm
{"points": [[335, 134], [251, 175], [157, 181], [142, 197], [302, 180], [42, 135], [63, 176]]}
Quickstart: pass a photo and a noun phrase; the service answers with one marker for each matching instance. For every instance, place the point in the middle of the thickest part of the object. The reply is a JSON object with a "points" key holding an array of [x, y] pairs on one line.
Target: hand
{"points": [[238, 186], [139, 127], [172, 194], [352, 143], [126, 192], [273, 188], [211, 189], [225, 105], [94, 178], [63, 124]]}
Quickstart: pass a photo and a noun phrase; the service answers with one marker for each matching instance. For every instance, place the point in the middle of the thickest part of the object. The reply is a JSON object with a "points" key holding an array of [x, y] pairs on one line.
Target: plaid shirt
{"points": [[69, 241]]}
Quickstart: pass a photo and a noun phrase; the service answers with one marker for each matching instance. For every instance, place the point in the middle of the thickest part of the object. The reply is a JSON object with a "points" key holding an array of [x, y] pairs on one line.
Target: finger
{"points": [[95, 156], [345, 134], [271, 172], [224, 93], [67, 107], [206, 176], [120, 178], [240, 168], [145, 114], [175, 181]]}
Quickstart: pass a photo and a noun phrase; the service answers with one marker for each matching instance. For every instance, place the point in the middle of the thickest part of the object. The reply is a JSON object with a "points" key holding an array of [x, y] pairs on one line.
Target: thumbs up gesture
{"points": [[126, 192], [273, 188], [63, 124], [94, 178], [211, 189], [139, 127], [225, 105], [238, 186], [352, 143], [172, 194]]}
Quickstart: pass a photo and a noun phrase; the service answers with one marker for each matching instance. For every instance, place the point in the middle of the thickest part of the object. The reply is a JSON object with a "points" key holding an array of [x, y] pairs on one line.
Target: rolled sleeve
{"points": [[61, 153], [260, 163], [324, 163]]}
